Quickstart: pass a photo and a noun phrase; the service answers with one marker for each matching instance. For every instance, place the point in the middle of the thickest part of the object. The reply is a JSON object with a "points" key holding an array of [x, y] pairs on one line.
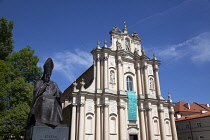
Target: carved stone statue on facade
{"points": [[118, 44], [127, 45], [115, 29], [112, 77], [46, 106]]}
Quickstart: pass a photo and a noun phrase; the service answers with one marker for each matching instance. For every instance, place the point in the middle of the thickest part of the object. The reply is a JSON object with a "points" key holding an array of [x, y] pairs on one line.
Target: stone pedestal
{"points": [[47, 133]]}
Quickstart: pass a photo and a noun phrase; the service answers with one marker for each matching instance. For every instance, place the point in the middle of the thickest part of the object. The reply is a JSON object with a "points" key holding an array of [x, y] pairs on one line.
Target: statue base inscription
{"points": [[47, 133]]}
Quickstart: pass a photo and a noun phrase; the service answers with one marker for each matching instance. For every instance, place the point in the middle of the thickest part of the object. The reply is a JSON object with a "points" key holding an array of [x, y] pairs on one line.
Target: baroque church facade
{"points": [[119, 97]]}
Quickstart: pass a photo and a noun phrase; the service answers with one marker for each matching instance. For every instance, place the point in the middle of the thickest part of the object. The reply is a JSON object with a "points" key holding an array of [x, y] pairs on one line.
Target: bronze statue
{"points": [[46, 107]]}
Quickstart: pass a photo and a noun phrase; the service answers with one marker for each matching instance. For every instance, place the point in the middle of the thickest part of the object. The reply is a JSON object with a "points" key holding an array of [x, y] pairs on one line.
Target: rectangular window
{"points": [[198, 124], [187, 126]]}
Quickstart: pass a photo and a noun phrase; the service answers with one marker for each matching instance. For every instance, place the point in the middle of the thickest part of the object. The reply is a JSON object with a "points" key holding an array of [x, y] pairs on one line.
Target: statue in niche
{"points": [[112, 77], [118, 44], [151, 84], [46, 106], [127, 45]]}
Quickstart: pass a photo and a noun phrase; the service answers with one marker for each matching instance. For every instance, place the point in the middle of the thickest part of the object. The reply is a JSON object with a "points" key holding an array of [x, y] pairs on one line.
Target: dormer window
{"points": [[129, 82]]}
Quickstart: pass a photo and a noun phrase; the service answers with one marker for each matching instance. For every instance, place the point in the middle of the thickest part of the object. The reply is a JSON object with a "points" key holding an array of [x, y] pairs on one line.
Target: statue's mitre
{"points": [[48, 65]]}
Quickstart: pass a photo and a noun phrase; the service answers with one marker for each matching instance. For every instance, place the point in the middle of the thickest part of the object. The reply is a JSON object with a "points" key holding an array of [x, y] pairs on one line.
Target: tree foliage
{"points": [[18, 72], [6, 40]]}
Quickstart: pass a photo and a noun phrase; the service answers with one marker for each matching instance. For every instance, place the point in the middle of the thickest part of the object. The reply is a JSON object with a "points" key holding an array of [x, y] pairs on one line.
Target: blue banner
{"points": [[132, 105]]}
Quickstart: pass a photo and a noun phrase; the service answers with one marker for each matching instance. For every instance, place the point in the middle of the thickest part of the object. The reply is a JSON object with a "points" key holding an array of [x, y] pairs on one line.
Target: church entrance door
{"points": [[133, 137]]}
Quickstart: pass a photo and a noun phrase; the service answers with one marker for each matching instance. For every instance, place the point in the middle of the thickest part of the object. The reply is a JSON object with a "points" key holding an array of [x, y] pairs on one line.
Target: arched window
{"points": [[89, 125], [156, 127], [129, 83], [168, 128], [113, 125]]}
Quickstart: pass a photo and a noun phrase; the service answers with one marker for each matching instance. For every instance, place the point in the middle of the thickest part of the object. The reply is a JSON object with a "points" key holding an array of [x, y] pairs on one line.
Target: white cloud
{"points": [[196, 48], [72, 64]]}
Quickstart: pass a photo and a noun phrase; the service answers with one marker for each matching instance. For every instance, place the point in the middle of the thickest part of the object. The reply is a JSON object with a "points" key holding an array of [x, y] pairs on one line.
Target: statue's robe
{"points": [[46, 107]]}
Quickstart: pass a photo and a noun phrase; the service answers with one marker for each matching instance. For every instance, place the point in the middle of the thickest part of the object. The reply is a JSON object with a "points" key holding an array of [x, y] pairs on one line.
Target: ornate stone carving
{"points": [[82, 104], [105, 58], [141, 109], [148, 109], [161, 110], [151, 84], [89, 108], [119, 60], [118, 45], [128, 69], [135, 35], [112, 77], [115, 29], [127, 45]]}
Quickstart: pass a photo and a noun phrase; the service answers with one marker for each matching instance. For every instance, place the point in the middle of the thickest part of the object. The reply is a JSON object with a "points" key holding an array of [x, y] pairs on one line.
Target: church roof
{"points": [[191, 107], [195, 116]]}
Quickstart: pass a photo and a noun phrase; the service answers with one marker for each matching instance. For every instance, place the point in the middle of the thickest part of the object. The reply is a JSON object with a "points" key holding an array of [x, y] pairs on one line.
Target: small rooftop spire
{"points": [[125, 30], [154, 56], [105, 43], [98, 44]]}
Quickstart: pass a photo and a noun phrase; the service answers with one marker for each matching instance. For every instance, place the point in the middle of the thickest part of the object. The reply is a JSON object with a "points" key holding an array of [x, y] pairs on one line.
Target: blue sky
{"points": [[178, 31]]}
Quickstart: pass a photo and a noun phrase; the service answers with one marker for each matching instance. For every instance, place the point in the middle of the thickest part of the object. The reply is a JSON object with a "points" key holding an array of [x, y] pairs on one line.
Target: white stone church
{"points": [[119, 97]]}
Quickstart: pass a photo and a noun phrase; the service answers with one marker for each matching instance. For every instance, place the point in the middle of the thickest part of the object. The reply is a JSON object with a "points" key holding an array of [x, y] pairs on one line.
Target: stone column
{"points": [[105, 72], [157, 82], [73, 122], [106, 122], [98, 82], [139, 80], [142, 122], [98, 122], [173, 125], [119, 70], [150, 123], [81, 122], [122, 121], [146, 79], [162, 123]]}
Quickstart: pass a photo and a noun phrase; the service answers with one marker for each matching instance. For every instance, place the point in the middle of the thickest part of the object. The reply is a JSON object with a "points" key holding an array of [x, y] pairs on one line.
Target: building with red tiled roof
{"points": [[194, 127], [184, 109]]}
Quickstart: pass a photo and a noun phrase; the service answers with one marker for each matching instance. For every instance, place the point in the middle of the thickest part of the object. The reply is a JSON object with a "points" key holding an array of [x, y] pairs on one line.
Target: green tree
{"points": [[24, 64], [18, 72], [6, 39]]}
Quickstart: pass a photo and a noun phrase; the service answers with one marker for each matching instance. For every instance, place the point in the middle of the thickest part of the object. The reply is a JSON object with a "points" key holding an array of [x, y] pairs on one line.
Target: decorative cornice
{"points": [[121, 106], [82, 104], [171, 111], [106, 105], [148, 109], [145, 67], [161, 110], [98, 59], [141, 109]]}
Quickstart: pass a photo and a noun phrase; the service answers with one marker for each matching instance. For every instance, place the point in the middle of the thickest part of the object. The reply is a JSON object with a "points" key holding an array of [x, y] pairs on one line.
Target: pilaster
{"points": [[106, 121], [173, 125], [105, 82], [73, 122], [142, 122], [119, 70], [81, 121], [145, 78], [162, 123], [150, 122], [121, 107], [98, 119]]}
